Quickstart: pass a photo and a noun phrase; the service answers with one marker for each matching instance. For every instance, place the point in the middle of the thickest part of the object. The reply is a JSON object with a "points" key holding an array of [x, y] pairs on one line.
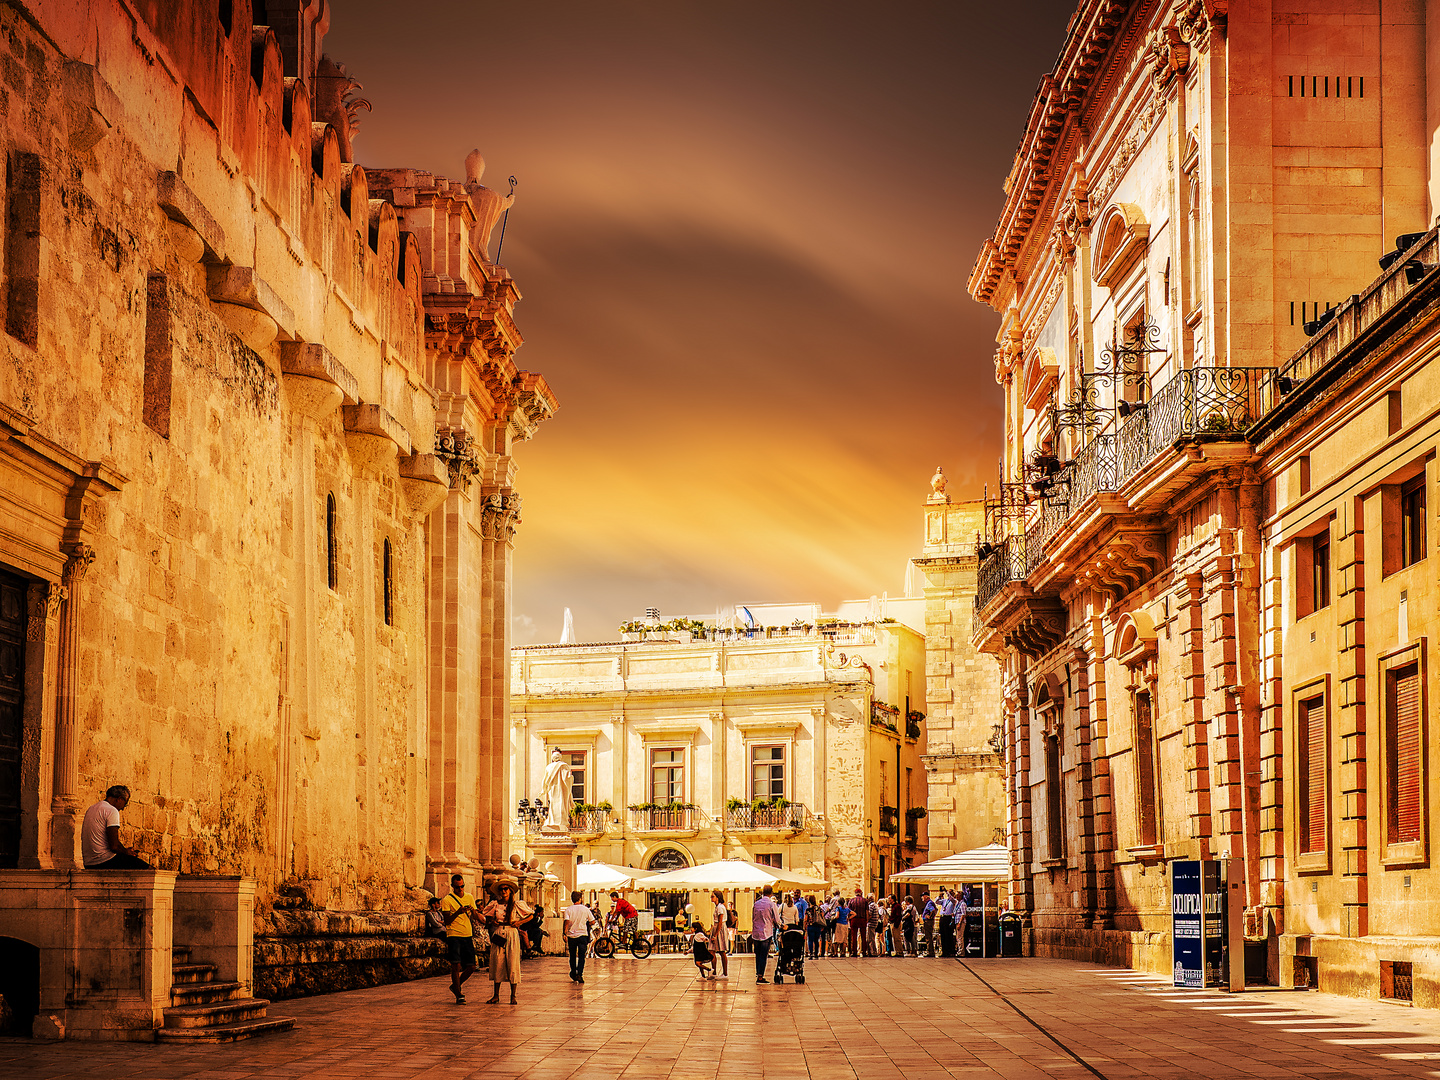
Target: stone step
{"points": [[245, 1029], [193, 973], [180, 954], [204, 993], [216, 1015]]}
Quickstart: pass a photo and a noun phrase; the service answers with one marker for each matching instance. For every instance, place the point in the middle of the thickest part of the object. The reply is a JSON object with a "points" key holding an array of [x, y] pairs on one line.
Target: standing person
{"points": [[909, 917], [578, 921], [859, 921], [720, 936], [927, 914], [504, 916], [815, 931], [894, 941], [764, 919], [874, 935], [455, 910], [962, 919], [100, 846], [842, 926], [947, 923]]}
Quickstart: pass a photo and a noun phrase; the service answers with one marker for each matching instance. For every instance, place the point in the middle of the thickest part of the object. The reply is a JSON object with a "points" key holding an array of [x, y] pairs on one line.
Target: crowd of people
{"points": [[899, 926]]}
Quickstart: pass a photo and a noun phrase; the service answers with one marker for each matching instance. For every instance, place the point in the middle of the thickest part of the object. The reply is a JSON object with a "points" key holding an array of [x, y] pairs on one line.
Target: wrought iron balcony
{"points": [[788, 818], [589, 822], [678, 817], [889, 820]]}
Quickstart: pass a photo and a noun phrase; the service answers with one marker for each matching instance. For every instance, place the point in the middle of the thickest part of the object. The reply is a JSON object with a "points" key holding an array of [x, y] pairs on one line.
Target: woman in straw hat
{"points": [[504, 916]]}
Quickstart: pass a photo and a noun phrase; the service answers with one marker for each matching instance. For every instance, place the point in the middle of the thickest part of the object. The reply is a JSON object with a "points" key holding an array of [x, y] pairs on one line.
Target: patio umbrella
{"points": [[601, 876], [730, 874], [988, 863]]}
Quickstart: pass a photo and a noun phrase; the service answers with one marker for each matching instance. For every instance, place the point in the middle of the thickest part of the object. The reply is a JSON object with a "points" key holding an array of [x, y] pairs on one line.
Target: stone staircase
{"points": [[212, 1012]]}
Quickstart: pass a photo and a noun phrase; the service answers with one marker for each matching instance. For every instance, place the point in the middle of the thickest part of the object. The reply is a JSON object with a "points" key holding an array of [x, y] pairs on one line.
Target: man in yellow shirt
{"points": [[456, 909]]}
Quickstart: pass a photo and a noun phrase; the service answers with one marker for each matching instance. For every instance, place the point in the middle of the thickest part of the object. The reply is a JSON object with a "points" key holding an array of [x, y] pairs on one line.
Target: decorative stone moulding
{"points": [[249, 306], [1123, 233], [315, 382], [197, 235], [425, 479], [373, 436]]}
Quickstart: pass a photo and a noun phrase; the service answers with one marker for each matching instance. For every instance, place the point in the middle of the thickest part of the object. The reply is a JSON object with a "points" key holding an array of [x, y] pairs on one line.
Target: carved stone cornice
{"points": [[1199, 20], [1032, 626], [1122, 564], [1166, 55], [500, 515], [77, 565]]}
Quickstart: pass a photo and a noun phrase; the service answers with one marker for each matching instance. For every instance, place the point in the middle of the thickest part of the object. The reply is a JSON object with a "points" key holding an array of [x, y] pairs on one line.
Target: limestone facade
{"points": [[963, 765], [815, 716], [257, 414], [1199, 184]]}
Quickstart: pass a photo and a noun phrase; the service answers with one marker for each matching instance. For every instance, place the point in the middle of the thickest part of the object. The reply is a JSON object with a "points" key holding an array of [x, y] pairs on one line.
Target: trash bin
{"points": [[1010, 934]]}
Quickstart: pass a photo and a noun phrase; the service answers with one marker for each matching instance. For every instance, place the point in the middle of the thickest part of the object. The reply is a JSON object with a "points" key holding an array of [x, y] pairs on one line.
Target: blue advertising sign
{"points": [[1197, 922], [1187, 931]]}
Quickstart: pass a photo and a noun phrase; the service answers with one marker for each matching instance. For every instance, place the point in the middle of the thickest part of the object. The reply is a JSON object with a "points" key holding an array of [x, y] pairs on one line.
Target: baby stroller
{"points": [[792, 956]]}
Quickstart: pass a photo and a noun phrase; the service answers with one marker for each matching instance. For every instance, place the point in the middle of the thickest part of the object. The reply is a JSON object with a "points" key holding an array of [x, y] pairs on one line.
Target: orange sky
{"points": [[742, 231]]}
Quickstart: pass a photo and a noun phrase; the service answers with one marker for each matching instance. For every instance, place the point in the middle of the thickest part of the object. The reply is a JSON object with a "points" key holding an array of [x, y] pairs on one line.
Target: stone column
{"points": [[486, 797], [65, 801], [500, 678], [42, 636], [1190, 627]]}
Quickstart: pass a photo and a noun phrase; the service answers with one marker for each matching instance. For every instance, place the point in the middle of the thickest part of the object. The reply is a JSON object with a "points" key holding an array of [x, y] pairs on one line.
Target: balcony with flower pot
{"points": [[589, 820], [775, 815], [671, 819]]}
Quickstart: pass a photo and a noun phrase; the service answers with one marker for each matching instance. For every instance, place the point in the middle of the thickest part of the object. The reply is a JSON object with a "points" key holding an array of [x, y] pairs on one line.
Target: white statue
{"points": [[489, 205], [556, 791], [937, 487]]}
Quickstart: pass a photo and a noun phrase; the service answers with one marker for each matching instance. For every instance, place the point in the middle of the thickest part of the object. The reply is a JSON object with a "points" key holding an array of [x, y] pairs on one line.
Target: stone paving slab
{"points": [[855, 1019]]}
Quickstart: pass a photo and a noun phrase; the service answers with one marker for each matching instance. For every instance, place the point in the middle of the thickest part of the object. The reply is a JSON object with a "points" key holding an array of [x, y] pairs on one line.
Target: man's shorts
{"points": [[462, 950]]}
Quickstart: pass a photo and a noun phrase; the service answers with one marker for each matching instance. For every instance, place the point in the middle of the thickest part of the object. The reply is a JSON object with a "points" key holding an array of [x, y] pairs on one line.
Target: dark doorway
{"points": [[19, 986], [12, 713]]}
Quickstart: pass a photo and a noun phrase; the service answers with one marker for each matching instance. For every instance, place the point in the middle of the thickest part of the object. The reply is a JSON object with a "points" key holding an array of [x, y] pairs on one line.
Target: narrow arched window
{"points": [[389, 578], [332, 542]]}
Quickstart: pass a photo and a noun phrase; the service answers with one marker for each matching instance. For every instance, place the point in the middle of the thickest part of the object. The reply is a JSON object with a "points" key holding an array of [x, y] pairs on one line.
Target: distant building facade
{"points": [[787, 745], [964, 767], [1209, 573], [257, 413]]}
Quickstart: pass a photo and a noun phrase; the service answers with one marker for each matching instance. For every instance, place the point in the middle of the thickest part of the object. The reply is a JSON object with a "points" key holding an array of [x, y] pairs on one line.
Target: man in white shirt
{"points": [[100, 846], [578, 921]]}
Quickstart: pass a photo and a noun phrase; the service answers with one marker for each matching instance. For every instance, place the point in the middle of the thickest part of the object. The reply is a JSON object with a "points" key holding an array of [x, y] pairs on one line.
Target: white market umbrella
{"points": [[973, 867], [601, 876], [729, 874]]}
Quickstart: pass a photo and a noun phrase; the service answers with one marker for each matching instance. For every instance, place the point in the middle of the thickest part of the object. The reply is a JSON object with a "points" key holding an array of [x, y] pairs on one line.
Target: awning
{"points": [[730, 874], [601, 876], [982, 864]]}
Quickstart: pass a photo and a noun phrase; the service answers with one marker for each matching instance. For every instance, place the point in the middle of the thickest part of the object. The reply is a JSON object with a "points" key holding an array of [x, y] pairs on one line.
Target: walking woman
{"points": [[720, 936], [504, 917]]}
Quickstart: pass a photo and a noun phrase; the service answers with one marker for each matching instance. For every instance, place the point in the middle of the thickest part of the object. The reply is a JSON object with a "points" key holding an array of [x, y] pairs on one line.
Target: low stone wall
{"points": [[299, 953]]}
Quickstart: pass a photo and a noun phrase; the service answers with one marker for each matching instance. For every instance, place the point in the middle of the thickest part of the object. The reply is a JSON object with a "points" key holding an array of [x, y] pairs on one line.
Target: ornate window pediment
{"points": [[1123, 233], [1042, 372], [1135, 645]]}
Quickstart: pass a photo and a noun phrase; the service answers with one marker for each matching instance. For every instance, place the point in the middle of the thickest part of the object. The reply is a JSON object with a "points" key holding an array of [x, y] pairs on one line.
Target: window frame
{"points": [[1403, 853], [1413, 547], [1304, 553], [1316, 860], [569, 753], [784, 762], [1149, 745], [682, 764]]}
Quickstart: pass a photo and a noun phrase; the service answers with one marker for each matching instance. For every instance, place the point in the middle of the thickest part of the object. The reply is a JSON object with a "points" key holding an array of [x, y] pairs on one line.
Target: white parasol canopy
{"points": [[600, 876], [982, 864], [730, 874]]}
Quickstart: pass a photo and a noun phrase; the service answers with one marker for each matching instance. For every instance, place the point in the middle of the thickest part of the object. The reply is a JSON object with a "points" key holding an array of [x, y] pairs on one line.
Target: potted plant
{"points": [[917, 812], [735, 803]]}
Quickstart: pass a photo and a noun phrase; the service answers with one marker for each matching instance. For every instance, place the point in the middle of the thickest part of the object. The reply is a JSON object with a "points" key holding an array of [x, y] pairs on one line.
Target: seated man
{"points": [[435, 920], [100, 845]]}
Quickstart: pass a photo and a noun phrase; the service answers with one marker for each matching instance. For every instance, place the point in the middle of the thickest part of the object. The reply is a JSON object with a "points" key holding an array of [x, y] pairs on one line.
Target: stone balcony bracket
{"points": [[316, 383], [94, 108], [373, 436], [425, 479], [197, 235], [249, 306]]}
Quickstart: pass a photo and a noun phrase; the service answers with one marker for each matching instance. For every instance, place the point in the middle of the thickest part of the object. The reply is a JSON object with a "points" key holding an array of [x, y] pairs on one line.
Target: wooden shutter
{"points": [[1403, 755], [1314, 771], [1145, 770]]}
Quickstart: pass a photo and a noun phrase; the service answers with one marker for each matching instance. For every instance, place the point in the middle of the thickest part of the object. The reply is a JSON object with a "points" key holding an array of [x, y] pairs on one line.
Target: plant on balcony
{"points": [[917, 812], [1216, 423], [883, 715], [644, 806], [735, 803], [775, 802], [604, 807]]}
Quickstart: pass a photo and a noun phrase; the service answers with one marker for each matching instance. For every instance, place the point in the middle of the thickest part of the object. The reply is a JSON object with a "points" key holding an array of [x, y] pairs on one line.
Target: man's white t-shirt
{"points": [[577, 918], [94, 847]]}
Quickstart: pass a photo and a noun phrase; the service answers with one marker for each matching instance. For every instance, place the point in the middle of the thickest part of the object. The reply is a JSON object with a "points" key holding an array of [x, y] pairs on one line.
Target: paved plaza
{"points": [[868, 1019]]}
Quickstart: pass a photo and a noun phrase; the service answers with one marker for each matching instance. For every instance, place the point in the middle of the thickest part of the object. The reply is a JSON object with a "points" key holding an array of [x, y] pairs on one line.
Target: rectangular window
{"points": [[1412, 521], [1320, 570], [1312, 773], [769, 858], [767, 772], [667, 776], [1054, 795], [1147, 805], [1403, 754], [577, 774]]}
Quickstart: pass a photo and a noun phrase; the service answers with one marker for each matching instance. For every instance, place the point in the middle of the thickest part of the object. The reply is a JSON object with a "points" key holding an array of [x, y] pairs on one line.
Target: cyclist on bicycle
{"points": [[625, 914]]}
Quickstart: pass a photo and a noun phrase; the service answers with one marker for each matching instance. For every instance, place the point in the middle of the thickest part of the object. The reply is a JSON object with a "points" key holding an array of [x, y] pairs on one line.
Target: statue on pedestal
{"points": [[556, 790], [937, 487], [489, 204]]}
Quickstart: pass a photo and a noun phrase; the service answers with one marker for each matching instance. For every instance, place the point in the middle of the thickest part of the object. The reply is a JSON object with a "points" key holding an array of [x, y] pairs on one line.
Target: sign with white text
{"points": [[1197, 922]]}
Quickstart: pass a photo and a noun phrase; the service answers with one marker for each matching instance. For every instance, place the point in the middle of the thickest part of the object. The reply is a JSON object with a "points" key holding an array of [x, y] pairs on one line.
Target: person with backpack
{"points": [[720, 936]]}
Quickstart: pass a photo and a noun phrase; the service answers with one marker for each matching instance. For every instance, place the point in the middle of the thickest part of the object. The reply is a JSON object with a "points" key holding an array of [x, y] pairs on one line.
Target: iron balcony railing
{"points": [[1206, 403], [679, 818], [589, 822], [788, 818]]}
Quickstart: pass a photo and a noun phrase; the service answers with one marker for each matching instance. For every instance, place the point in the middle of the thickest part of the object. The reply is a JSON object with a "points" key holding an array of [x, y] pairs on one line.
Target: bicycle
{"points": [[606, 944]]}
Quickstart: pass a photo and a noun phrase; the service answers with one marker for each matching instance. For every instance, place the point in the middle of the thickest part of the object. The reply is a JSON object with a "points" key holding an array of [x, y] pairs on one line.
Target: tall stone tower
{"points": [[964, 765]]}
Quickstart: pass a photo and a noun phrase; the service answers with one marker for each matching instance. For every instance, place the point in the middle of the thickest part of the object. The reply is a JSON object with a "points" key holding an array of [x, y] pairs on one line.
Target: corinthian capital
{"points": [[81, 556]]}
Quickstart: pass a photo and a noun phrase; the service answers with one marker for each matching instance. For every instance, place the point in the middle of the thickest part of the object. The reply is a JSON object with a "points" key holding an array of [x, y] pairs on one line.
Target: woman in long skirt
{"points": [[504, 917], [720, 936]]}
